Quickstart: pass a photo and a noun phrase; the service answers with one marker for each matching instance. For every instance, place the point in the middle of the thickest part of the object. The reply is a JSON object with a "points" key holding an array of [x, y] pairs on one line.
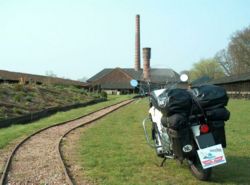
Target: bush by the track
{"points": [[44, 113]]}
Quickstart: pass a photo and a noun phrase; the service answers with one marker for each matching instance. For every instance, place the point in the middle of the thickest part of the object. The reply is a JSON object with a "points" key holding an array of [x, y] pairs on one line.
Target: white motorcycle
{"points": [[188, 125]]}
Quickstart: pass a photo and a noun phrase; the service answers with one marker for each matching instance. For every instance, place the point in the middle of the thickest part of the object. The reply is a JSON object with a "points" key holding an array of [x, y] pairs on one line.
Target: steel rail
{"points": [[66, 172], [68, 179]]}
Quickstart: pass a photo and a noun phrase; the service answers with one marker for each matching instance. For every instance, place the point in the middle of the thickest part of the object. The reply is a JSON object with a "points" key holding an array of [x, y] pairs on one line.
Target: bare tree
{"points": [[239, 50], [226, 62]]}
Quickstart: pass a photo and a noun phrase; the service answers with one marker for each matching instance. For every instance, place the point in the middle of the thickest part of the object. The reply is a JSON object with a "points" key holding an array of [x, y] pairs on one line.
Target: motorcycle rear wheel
{"points": [[198, 171]]}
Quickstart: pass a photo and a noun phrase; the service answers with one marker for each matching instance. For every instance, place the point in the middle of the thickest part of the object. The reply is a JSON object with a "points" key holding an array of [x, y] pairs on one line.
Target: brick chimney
{"points": [[137, 43], [146, 63]]}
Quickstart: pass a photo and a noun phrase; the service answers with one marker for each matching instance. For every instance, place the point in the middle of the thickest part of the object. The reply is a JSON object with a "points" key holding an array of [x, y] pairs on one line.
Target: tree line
{"points": [[233, 60]]}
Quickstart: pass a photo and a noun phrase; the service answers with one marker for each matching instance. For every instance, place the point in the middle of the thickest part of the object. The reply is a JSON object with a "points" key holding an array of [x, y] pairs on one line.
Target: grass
{"points": [[14, 132], [114, 151]]}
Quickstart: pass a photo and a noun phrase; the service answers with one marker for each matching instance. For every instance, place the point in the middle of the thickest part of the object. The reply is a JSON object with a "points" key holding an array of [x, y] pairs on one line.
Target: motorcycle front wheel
{"points": [[198, 171], [156, 139]]}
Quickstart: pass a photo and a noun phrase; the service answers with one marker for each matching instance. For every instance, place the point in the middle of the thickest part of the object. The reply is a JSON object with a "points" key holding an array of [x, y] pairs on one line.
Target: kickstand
{"points": [[163, 161]]}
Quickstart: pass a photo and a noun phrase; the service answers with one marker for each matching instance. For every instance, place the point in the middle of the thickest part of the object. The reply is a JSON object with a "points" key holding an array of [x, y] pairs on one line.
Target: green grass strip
{"points": [[114, 151], [9, 134]]}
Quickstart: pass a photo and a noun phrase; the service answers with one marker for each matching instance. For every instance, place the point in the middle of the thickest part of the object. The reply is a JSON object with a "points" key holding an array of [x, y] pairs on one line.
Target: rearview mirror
{"points": [[184, 77], [134, 83]]}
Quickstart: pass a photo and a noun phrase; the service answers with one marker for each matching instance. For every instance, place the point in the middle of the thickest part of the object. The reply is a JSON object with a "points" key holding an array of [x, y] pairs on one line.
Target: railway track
{"points": [[38, 158]]}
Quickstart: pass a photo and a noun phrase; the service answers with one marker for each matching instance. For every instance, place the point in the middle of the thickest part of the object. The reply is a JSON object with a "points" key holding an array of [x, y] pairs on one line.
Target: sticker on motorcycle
{"points": [[212, 156], [187, 148]]}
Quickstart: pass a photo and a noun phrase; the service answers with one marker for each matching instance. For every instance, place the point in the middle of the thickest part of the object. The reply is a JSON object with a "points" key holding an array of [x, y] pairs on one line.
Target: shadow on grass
{"points": [[235, 171]]}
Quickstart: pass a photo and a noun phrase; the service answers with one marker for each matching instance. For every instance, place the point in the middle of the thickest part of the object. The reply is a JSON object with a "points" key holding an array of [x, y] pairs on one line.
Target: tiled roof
{"points": [[224, 80], [16, 76], [158, 75], [100, 74], [134, 74], [201, 81], [232, 79], [163, 75]]}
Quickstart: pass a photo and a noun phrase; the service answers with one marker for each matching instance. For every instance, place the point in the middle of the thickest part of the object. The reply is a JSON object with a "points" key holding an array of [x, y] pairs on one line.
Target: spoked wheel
{"points": [[198, 171]]}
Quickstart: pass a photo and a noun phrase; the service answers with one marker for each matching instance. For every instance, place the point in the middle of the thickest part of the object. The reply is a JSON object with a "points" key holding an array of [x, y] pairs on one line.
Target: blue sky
{"points": [[78, 38]]}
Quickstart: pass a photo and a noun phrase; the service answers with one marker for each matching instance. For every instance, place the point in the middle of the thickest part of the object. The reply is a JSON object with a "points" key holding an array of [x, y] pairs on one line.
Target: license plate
{"points": [[211, 156]]}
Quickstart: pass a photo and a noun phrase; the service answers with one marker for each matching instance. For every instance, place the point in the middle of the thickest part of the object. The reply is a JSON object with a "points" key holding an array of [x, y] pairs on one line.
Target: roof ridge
{"points": [[124, 72]]}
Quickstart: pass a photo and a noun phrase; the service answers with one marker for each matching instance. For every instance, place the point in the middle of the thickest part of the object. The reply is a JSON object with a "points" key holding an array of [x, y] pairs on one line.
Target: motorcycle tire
{"points": [[156, 138], [198, 171]]}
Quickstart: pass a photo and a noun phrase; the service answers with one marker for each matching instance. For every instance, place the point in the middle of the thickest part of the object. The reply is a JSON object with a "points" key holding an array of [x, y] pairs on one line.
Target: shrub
{"points": [[104, 94], [83, 91], [18, 97], [17, 110], [18, 87], [28, 98]]}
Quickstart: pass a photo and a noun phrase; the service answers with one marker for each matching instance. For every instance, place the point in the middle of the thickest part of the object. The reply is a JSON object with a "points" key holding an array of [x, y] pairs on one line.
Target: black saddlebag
{"points": [[175, 121], [210, 96], [181, 142], [218, 131], [219, 114], [173, 101]]}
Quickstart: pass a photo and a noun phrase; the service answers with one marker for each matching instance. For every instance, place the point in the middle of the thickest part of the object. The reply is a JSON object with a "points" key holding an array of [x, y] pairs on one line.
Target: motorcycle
{"points": [[188, 125]]}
